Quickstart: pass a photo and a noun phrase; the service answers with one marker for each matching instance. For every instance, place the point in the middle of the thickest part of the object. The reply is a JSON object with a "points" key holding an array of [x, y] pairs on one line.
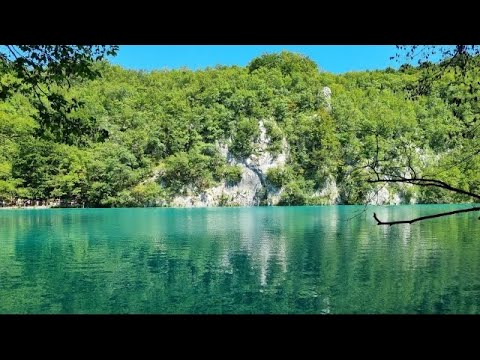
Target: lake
{"points": [[287, 260]]}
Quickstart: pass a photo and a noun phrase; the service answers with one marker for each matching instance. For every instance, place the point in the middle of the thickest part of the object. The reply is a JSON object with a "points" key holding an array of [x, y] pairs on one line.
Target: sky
{"points": [[331, 58]]}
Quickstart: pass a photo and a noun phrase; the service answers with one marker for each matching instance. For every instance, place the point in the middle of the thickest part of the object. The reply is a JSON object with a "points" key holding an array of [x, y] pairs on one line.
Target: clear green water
{"points": [[238, 260]]}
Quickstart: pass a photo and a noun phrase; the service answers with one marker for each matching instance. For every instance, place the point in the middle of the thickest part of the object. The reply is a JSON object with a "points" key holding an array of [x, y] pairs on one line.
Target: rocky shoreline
{"points": [[40, 207]]}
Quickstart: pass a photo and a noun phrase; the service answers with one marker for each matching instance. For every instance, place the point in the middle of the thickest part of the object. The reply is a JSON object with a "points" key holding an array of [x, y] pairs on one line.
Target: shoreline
{"points": [[46, 207], [39, 207]]}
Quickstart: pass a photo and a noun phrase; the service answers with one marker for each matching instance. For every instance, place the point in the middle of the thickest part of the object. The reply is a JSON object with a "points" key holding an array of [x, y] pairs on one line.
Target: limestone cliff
{"points": [[252, 188]]}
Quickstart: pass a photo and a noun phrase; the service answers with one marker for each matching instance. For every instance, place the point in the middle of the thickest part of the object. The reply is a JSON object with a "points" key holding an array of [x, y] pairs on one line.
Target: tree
{"points": [[161, 129], [457, 75], [41, 72], [39, 68]]}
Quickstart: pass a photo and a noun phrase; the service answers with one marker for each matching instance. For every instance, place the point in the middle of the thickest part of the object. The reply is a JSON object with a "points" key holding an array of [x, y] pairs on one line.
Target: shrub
{"points": [[232, 174], [296, 192], [246, 134]]}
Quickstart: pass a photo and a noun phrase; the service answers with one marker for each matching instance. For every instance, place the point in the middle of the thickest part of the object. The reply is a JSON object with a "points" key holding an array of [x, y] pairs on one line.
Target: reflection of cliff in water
{"points": [[235, 260]]}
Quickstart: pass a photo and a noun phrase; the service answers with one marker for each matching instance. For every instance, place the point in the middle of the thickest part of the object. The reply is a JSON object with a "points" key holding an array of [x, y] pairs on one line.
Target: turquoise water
{"points": [[238, 260]]}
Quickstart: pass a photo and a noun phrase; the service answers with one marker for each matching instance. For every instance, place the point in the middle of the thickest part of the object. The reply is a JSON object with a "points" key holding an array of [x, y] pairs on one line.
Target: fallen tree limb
{"points": [[379, 222]]}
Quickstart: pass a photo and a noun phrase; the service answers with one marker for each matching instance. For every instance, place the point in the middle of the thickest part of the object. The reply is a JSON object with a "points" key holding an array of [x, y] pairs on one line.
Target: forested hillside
{"points": [[277, 132]]}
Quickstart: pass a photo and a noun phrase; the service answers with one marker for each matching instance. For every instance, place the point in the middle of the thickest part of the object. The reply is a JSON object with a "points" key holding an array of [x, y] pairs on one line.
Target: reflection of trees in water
{"points": [[284, 260]]}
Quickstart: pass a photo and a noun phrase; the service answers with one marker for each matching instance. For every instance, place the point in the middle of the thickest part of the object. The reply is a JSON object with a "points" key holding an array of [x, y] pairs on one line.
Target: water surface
{"points": [[238, 260]]}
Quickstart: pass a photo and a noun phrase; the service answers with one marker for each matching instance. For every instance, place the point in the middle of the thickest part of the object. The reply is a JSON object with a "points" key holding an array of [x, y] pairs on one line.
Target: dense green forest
{"points": [[143, 138]]}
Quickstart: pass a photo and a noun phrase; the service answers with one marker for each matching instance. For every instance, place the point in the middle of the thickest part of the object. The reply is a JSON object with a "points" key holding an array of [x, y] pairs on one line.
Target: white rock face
{"points": [[382, 197], [252, 183], [253, 188], [264, 160], [327, 94], [330, 192]]}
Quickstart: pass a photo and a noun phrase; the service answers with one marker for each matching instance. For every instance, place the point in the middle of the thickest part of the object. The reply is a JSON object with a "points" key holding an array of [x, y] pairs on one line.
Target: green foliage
{"points": [[279, 176], [199, 168], [145, 194], [246, 133], [48, 65], [42, 73], [275, 133], [296, 192], [232, 174], [138, 138], [111, 168], [287, 62], [313, 142]]}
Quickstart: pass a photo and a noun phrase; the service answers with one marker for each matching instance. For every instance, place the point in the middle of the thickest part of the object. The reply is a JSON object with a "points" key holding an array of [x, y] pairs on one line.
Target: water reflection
{"points": [[237, 260]]}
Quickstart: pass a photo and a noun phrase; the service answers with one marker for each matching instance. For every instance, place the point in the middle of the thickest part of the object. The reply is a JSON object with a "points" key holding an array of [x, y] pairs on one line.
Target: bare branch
{"points": [[357, 214], [426, 182], [390, 223]]}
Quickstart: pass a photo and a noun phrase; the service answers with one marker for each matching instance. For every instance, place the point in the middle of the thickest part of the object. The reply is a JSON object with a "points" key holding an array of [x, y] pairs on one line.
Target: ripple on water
{"points": [[237, 260]]}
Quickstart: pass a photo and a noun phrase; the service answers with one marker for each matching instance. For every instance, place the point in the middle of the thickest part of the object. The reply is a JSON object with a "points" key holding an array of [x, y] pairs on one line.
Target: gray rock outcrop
{"points": [[252, 188]]}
